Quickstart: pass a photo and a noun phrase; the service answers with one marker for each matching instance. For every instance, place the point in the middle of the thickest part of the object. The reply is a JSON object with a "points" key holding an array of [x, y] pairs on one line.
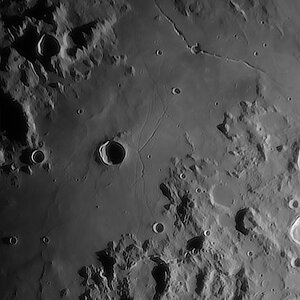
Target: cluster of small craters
{"points": [[262, 155], [175, 268], [264, 162], [202, 257], [25, 162], [249, 143], [229, 236], [14, 240], [239, 239], [40, 41], [226, 230]]}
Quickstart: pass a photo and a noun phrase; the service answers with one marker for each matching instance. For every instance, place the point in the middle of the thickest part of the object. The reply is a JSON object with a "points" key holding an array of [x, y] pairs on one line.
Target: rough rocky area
{"points": [[47, 46], [149, 149]]}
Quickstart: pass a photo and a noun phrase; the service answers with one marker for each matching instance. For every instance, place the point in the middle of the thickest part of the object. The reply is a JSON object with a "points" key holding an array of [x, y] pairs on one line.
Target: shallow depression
{"points": [[223, 195]]}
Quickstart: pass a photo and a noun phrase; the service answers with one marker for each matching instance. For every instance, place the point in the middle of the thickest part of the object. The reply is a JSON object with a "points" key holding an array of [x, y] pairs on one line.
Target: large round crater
{"points": [[295, 231], [37, 156], [112, 153], [48, 46]]}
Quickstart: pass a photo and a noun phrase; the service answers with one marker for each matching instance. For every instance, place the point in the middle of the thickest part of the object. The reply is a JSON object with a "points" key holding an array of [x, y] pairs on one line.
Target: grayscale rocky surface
{"points": [[149, 150]]}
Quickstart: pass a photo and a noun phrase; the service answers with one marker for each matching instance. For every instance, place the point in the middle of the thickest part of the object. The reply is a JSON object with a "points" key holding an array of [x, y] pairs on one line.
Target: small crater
{"points": [[176, 91], [64, 293], [198, 190], [293, 204], [158, 227], [158, 52], [182, 176], [11, 240], [129, 71], [80, 111], [207, 233], [45, 240]]}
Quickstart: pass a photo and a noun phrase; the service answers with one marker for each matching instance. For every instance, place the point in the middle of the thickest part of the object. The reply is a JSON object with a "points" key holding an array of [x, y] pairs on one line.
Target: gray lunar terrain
{"points": [[149, 149]]}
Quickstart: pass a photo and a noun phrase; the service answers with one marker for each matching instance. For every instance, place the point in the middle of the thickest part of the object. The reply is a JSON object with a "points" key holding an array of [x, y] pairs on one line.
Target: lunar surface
{"points": [[149, 149]]}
